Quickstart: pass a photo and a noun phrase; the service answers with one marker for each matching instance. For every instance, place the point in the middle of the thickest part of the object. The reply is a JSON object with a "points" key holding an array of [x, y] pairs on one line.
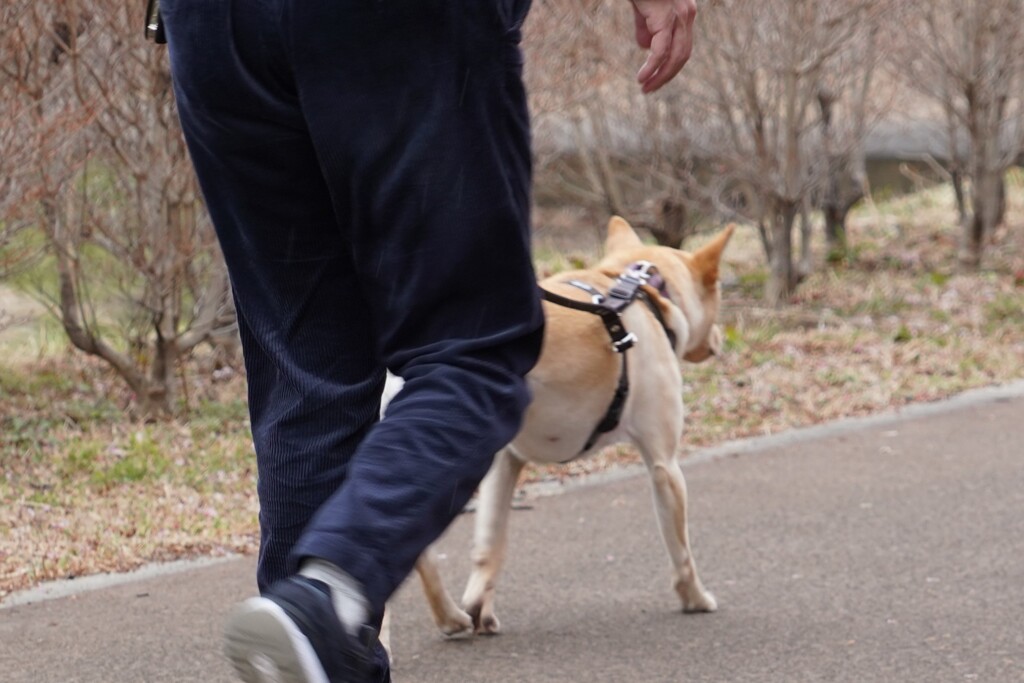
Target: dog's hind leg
{"points": [[450, 619], [490, 539], [670, 505]]}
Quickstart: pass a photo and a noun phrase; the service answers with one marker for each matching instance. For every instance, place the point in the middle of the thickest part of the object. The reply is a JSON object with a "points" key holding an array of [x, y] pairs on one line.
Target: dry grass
{"points": [[83, 488], [86, 489]]}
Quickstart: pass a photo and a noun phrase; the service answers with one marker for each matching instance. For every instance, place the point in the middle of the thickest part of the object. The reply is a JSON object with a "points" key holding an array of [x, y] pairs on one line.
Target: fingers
{"points": [[680, 47], [643, 35], [666, 29], [660, 49]]}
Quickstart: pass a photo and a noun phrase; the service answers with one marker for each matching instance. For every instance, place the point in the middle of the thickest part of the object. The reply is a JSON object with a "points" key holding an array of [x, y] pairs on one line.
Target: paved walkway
{"points": [[885, 551]]}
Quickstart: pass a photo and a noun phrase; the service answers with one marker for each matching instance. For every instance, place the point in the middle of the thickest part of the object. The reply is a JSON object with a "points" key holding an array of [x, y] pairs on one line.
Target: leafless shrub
{"points": [[599, 143], [966, 57], [766, 121], [101, 171], [780, 107]]}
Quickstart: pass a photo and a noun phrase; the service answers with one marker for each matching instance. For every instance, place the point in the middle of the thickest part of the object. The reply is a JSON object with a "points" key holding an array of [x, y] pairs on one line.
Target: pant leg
{"points": [[314, 372], [419, 117], [407, 247]]}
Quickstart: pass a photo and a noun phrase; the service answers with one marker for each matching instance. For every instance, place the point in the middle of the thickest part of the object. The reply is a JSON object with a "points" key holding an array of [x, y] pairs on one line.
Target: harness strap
{"points": [[621, 339], [613, 416], [659, 316], [625, 290], [616, 330]]}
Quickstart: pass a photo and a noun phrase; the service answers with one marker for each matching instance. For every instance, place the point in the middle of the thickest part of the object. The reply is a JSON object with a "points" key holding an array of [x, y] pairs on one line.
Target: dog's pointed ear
{"points": [[620, 236], [707, 258]]}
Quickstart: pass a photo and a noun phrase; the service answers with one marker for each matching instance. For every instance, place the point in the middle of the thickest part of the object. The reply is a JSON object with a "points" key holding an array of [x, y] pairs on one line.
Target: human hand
{"points": [[665, 27]]}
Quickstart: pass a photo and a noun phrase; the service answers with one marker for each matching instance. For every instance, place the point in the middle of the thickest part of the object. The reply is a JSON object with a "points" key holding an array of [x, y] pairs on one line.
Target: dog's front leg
{"points": [[450, 619], [490, 539], [670, 504], [385, 632]]}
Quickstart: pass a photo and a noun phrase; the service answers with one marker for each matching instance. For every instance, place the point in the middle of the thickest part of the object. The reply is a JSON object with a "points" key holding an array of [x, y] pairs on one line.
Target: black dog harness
{"points": [[608, 307]]}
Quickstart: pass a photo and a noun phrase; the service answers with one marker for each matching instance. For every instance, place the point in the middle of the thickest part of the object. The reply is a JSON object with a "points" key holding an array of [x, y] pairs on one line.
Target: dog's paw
{"points": [[488, 626], [700, 601], [484, 621], [456, 623]]}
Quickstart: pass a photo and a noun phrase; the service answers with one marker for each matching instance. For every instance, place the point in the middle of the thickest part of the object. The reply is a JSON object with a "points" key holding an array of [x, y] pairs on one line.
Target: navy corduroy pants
{"points": [[366, 164]]}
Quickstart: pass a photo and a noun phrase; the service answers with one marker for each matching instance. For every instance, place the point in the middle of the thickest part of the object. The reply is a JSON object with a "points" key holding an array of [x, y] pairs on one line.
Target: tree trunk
{"points": [[782, 282], [957, 175], [835, 230], [152, 398], [1000, 213], [835, 233], [766, 240], [985, 199], [672, 228], [806, 267], [846, 182], [159, 399]]}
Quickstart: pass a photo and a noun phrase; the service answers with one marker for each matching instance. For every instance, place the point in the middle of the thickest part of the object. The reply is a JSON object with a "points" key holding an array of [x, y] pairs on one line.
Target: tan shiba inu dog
{"points": [[573, 385]]}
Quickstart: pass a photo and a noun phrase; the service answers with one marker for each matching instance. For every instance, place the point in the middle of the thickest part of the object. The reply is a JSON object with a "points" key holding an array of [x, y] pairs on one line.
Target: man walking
{"points": [[366, 164]]}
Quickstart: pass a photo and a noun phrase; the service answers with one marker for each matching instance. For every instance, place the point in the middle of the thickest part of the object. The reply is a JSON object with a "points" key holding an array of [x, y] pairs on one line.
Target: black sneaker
{"points": [[292, 635]]}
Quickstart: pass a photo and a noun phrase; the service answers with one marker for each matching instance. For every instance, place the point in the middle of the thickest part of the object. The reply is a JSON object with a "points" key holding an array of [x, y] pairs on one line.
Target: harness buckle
{"points": [[627, 284], [642, 271], [596, 297], [624, 344]]}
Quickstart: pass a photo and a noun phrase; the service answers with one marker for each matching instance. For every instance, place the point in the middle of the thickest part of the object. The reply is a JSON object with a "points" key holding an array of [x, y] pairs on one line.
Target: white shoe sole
{"points": [[265, 646]]}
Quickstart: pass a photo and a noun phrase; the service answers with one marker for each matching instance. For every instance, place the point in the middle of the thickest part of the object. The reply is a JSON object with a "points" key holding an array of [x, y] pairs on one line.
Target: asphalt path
{"points": [[886, 550]]}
